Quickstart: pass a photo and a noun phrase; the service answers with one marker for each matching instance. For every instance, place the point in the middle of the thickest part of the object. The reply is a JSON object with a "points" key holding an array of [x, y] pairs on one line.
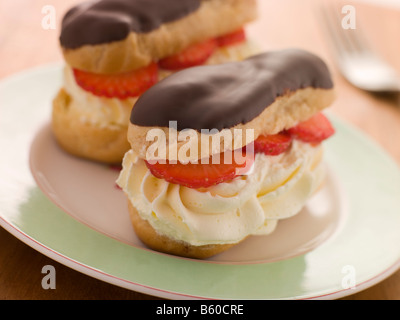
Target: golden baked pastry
{"points": [[192, 197], [116, 49]]}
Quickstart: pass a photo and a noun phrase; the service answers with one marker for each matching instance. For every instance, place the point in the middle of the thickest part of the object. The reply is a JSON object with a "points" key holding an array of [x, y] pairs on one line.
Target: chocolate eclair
{"points": [[220, 153], [117, 49]]}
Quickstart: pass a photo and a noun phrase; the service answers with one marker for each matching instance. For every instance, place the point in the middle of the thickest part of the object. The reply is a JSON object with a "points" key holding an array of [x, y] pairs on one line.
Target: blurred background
{"points": [[284, 23], [25, 43]]}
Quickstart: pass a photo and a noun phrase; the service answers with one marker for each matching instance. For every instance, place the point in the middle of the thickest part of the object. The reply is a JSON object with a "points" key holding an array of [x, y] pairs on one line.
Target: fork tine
{"points": [[356, 37], [362, 66], [346, 41], [331, 26], [359, 39], [350, 35]]}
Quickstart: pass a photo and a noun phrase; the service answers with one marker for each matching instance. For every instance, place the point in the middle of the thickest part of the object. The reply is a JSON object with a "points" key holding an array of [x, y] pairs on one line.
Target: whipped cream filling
{"points": [[100, 111], [277, 188], [106, 112]]}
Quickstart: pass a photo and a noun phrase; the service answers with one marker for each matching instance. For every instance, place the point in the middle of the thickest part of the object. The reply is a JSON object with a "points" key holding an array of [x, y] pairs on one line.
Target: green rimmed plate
{"points": [[346, 237]]}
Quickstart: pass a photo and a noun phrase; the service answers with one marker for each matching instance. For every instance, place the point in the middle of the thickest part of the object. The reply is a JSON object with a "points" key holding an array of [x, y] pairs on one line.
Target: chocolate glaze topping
{"points": [[104, 21], [226, 95]]}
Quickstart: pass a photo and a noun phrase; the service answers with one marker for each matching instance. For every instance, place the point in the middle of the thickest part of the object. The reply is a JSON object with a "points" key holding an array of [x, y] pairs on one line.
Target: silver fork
{"points": [[360, 65]]}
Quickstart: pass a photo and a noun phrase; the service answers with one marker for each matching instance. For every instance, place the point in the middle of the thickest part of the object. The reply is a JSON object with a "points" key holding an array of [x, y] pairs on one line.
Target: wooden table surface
{"points": [[285, 23]]}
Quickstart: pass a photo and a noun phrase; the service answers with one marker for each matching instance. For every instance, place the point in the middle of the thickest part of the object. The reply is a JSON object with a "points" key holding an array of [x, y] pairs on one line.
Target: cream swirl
{"points": [[277, 188]]}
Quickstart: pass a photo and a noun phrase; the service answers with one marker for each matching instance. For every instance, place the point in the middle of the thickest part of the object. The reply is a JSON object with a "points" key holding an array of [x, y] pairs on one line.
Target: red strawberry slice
{"points": [[192, 56], [235, 37], [122, 86], [202, 175], [273, 145], [314, 130]]}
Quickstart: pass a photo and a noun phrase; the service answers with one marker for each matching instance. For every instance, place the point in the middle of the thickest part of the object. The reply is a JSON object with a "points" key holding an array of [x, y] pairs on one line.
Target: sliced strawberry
{"points": [[202, 175], [235, 37], [314, 130], [273, 145], [192, 56], [122, 86]]}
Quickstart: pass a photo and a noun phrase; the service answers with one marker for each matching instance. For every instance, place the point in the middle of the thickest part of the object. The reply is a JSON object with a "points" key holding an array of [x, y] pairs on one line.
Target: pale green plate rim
{"points": [[366, 241]]}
